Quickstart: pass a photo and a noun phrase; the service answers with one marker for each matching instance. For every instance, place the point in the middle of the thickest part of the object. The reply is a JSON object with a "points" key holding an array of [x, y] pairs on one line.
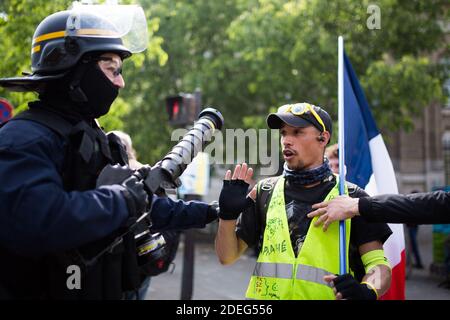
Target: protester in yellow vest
{"points": [[296, 259]]}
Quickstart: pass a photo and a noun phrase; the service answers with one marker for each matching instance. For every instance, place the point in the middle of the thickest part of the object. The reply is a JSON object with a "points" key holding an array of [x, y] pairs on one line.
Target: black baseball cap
{"points": [[300, 115]]}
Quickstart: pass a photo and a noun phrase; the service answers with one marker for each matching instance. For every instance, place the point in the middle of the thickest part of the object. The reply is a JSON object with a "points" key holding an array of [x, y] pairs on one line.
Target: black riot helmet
{"points": [[58, 45], [63, 38]]}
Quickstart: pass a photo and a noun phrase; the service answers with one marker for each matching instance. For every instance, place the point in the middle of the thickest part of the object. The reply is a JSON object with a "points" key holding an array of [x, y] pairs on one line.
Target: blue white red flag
{"points": [[369, 166]]}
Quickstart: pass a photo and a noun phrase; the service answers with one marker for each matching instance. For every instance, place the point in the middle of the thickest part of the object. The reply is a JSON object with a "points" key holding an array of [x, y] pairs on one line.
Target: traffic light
{"points": [[182, 108], [6, 109]]}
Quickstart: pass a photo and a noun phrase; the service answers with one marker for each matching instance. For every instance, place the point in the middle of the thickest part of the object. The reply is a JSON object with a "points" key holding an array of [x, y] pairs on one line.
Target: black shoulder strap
{"points": [[264, 193], [118, 150], [48, 119]]}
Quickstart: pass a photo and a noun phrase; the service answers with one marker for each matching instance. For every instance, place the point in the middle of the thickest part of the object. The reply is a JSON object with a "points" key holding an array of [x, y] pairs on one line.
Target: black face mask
{"points": [[84, 93], [98, 90]]}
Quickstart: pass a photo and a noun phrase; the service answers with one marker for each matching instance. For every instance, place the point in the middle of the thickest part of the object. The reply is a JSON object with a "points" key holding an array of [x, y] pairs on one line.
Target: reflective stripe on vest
{"points": [[278, 273], [273, 270], [312, 274], [284, 271]]}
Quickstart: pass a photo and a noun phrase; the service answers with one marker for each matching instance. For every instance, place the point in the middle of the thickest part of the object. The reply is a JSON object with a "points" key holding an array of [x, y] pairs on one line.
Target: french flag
{"points": [[369, 166]]}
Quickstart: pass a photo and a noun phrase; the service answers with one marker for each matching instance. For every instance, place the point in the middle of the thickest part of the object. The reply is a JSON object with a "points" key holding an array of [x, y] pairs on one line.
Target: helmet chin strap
{"points": [[76, 94]]}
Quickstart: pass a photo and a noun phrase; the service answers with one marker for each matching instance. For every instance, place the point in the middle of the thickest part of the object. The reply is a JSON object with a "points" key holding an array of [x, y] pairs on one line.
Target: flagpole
{"points": [[341, 146]]}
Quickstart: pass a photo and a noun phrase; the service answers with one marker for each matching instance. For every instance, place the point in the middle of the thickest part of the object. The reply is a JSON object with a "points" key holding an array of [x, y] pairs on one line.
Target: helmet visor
{"points": [[126, 22]]}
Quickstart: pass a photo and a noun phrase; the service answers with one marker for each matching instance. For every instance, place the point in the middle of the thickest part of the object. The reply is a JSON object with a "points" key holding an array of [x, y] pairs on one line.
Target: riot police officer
{"points": [[54, 215]]}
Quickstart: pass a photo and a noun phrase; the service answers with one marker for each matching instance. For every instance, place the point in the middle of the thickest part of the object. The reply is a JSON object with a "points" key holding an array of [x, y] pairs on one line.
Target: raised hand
{"points": [[233, 197]]}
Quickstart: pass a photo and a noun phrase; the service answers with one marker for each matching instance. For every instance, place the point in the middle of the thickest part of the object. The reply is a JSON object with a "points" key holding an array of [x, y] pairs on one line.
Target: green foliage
{"points": [[386, 82], [20, 19]]}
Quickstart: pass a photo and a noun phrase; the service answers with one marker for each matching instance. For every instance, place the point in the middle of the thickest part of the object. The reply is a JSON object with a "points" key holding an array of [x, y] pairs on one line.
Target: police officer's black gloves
{"points": [[135, 196], [233, 199], [115, 174], [351, 289], [213, 212]]}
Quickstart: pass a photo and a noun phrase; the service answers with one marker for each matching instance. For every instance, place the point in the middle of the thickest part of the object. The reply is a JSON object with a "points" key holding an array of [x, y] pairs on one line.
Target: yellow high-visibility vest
{"points": [[280, 275]]}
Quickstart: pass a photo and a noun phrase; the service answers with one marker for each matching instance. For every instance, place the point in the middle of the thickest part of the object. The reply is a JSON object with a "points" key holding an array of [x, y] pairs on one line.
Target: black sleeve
{"points": [[418, 208], [247, 226], [363, 232]]}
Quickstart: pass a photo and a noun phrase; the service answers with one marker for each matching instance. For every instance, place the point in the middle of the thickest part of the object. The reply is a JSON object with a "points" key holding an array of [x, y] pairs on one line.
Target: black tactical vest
{"points": [[104, 275]]}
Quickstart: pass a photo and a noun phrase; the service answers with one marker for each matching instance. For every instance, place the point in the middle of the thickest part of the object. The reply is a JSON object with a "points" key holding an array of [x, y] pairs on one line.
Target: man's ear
{"points": [[326, 135]]}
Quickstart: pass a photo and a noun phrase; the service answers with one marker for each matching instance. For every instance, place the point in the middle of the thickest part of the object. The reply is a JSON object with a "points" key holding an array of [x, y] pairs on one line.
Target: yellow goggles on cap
{"points": [[300, 108]]}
